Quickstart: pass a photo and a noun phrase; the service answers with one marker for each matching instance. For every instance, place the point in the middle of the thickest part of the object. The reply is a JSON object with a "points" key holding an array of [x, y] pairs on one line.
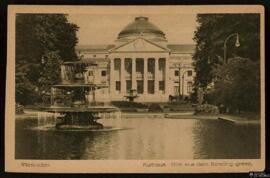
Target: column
{"points": [[122, 76], [145, 76], [133, 75], [167, 74], [183, 77], [156, 76], [112, 80]]}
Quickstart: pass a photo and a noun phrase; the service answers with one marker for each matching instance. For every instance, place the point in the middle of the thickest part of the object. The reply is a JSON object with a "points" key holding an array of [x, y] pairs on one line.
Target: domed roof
{"points": [[141, 25]]}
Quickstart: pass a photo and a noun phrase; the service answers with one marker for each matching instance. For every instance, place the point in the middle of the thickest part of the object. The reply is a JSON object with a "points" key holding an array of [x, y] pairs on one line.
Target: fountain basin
{"points": [[80, 127], [80, 118]]}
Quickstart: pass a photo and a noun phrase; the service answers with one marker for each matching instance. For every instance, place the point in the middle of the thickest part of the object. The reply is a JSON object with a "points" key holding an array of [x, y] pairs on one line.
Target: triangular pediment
{"points": [[139, 45]]}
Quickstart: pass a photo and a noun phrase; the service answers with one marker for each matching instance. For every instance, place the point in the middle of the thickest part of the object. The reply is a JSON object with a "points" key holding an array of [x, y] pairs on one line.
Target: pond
{"points": [[140, 138]]}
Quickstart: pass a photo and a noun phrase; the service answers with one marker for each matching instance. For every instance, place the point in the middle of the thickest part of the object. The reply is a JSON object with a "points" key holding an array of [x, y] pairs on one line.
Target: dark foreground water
{"points": [[140, 138]]}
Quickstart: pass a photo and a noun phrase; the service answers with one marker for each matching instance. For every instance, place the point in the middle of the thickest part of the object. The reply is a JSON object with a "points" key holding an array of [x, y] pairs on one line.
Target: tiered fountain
{"points": [[73, 101]]}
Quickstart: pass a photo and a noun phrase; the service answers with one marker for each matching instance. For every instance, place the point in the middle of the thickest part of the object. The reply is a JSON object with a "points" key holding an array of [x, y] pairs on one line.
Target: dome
{"points": [[141, 26]]}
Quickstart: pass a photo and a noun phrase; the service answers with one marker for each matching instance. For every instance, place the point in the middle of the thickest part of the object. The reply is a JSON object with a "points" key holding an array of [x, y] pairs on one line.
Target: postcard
{"points": [[135, 89]]}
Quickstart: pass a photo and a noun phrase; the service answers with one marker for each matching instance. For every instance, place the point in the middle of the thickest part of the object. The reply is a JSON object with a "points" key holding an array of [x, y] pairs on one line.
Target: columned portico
{"points": [[147, 73]]}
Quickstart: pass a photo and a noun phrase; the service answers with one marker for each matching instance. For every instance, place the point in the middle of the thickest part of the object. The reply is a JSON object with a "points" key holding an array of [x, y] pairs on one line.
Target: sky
{"points": [[104, 28]]}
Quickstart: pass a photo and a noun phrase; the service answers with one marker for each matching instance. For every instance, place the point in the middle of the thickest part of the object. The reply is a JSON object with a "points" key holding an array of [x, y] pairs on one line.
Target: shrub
{"points": [[155, 107], [207, 108], [127, 104]]}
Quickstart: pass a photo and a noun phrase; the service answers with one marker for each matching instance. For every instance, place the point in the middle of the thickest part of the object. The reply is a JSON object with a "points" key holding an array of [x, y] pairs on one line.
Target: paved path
{"points": [[239, 120]]}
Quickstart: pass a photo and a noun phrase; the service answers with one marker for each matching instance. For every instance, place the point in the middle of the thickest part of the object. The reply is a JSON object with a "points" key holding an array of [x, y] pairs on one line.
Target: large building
{"points": [[141, 61]]}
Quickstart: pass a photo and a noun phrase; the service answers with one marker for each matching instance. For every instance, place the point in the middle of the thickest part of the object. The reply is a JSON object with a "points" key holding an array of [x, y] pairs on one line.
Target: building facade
{"points": [[140, 61]]}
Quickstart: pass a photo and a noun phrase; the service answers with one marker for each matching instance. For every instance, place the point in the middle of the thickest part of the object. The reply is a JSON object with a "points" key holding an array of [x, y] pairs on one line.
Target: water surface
{"points": [[140, 138]]}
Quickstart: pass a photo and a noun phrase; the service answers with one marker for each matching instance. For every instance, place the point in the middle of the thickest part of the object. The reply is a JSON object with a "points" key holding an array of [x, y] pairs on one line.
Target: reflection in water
{"points": [[142, 138], [216, 140]]}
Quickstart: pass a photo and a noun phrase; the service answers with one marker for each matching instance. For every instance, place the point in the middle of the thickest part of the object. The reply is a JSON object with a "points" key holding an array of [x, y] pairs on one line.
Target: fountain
{"points": [[73, 101]]}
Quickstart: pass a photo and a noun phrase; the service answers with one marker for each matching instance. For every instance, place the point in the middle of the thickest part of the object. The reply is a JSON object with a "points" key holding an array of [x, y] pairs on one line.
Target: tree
{"points": [[243, 65], [238, 85], [43, 41], [211, 34], [50, 71]]}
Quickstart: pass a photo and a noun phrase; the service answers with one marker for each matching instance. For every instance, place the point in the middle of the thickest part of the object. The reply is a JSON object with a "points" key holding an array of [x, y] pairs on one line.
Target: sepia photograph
{"points": [[140, 86]]}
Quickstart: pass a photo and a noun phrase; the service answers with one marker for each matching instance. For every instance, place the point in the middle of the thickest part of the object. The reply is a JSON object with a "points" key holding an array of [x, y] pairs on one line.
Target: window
{"points": [[161, 64], [151, 65], [189, 87], [161, 85], [176, 73], [91, 73], [128, 85], [117, 85], [139, 65], [151, 86], [128, 65], [103, 73], [139, 86], [189, 73], [117, 64]]}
